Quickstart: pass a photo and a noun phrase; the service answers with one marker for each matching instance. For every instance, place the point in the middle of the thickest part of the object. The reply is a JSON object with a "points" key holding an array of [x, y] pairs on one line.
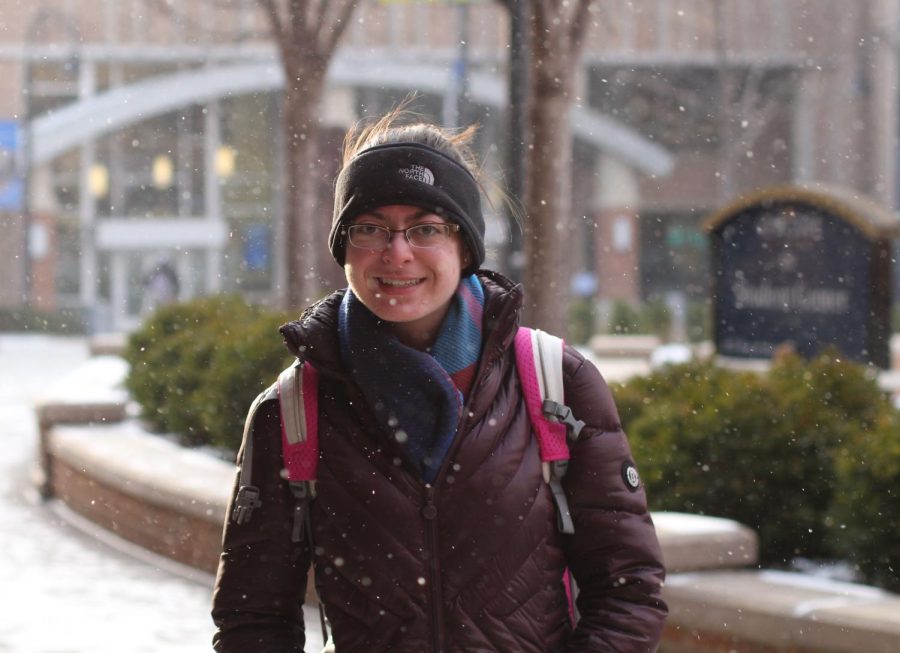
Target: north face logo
{"points": [[418, 173]]}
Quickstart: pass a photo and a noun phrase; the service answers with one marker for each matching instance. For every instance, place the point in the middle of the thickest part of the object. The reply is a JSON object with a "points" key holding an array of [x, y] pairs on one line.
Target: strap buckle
{"points": [[563, 414], [246, 501], [303, 494]]}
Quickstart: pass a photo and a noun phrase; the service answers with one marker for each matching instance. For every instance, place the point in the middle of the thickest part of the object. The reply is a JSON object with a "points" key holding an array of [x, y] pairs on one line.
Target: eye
{"points": [[367, 229], [429, 230]]}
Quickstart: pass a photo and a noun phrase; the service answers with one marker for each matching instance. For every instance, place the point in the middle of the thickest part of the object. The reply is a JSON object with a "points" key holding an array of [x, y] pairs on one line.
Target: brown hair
{"points": [[401, 125]]}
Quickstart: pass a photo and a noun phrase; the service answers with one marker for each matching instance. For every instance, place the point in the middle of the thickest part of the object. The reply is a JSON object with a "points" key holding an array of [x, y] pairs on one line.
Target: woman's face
{"points": [[411, 287]]}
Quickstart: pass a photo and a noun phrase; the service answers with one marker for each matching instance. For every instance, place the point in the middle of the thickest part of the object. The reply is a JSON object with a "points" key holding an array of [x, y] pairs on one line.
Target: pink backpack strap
{"points": [[298, 400], [539, 366], [551, 435]]}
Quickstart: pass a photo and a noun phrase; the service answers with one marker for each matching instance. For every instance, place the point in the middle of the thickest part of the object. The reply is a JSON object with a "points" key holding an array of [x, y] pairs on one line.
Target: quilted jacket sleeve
{"points": [[261, 581], [614, 554]]}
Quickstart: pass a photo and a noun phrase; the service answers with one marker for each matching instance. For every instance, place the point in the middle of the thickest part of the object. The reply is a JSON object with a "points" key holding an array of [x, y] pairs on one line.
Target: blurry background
{"points": [[142, 154]]}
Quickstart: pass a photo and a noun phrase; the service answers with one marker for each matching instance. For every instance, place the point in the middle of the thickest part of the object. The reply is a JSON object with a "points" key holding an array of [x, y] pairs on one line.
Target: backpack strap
{"points": [[539, 365], [298, 399], [297, 393], [247, 499]]}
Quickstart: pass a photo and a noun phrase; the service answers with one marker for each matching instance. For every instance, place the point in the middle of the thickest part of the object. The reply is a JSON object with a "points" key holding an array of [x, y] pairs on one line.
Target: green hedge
{"points": [[195, 367], [798, 454], [866, 510], [652, 317], [244, 364], [26, 319]]}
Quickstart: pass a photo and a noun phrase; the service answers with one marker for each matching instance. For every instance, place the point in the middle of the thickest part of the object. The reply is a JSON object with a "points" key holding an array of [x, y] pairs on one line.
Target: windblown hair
{"points": [[400, 125]]}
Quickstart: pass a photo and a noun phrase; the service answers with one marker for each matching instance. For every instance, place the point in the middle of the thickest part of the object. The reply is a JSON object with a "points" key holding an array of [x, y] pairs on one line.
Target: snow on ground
{"points": [[64, 590]]}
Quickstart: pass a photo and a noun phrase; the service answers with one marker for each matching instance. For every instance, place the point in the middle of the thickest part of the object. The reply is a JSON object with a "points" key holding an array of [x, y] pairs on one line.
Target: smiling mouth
{"points": [[399, 283]]}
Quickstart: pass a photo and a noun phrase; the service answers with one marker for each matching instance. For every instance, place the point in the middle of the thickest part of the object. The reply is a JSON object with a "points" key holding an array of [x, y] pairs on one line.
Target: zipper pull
{"points": [[430, 510]]}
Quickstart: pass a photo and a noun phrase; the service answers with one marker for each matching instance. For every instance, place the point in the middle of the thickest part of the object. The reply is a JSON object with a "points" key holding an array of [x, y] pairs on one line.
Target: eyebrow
{"points": [[411, 217]]}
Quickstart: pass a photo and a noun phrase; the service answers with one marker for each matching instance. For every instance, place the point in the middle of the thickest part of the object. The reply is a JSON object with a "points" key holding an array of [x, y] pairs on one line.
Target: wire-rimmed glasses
{"points": [[426, 235]]}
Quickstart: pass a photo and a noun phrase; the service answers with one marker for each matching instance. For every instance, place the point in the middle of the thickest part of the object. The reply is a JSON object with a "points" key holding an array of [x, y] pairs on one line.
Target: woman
{"points": [[433, 528]]}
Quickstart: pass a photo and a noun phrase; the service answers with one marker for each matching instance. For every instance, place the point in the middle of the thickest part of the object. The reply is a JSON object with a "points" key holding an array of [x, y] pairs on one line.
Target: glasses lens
{"points": [[428, 235], [368, 236]]}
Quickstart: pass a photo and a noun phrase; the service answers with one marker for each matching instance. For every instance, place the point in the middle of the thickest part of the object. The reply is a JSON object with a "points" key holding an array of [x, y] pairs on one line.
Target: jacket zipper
{"points": [[429, 512]]}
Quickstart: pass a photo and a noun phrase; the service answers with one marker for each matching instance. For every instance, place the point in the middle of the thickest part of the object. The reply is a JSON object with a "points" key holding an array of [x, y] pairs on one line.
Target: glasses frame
{"points": [[449, 229]]}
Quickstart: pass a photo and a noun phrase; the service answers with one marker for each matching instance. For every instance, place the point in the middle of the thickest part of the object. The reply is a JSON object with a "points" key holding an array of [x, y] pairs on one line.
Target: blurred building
{"points": [[138, 134]]}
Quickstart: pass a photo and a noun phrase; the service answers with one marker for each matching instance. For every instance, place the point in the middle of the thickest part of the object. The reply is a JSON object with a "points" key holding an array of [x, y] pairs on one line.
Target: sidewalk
{"points": [[98, 592], [65, 591]]}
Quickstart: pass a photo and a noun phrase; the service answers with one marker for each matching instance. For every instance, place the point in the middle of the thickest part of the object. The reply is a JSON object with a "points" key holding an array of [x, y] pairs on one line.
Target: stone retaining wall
{"points": [[169, 532], [143, 488]]}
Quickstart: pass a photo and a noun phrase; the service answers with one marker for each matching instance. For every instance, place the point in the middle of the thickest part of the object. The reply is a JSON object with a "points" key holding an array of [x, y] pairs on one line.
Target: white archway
{"points": [[108, 112]]}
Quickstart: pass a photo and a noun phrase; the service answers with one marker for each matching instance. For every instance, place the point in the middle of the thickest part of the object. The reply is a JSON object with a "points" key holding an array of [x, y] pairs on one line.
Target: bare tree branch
{"points": [[271, 10], [316, 10], [341, 22], [297, 18], [578, 23]]}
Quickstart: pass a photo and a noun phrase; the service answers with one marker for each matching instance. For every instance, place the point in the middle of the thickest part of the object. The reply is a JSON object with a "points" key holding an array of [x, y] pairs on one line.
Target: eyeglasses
{"points": [[371, 236]]}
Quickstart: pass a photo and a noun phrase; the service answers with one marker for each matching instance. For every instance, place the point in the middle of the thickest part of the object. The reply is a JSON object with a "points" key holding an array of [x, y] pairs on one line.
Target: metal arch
{"points": [[101, 114], [107, 112]]}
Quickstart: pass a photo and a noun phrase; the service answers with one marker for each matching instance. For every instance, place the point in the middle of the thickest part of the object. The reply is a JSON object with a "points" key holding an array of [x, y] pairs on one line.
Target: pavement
{"points": [[67, 587]]}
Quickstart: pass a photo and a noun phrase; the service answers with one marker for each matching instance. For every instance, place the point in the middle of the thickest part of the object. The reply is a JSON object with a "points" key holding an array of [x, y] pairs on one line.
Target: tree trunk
{"points": [[548, 206], [306, 33], [302, 253], [558, 31]]}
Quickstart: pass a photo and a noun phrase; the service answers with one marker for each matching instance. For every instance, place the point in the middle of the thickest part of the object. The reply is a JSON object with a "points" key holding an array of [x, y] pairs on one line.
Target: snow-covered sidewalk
{"points": [[64, 590]]}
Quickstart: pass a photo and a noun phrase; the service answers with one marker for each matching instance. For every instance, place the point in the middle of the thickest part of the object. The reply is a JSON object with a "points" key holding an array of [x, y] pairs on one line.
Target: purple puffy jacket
{"points": [[471, 564]]}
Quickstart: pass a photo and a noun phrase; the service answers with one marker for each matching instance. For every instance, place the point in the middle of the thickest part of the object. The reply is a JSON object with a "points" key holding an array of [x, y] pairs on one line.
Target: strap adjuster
{"points": [[246, 501], [558, 469], [563, 414]]}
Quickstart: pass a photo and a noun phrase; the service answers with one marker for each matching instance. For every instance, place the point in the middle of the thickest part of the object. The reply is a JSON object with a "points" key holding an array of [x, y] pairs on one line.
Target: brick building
{"points": [[153, 134]]}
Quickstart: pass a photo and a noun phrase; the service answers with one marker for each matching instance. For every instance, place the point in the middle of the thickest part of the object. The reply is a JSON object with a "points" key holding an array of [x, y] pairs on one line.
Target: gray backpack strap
{"points": [[549, 350], [293, 411], [247, 498], [547, 362]]}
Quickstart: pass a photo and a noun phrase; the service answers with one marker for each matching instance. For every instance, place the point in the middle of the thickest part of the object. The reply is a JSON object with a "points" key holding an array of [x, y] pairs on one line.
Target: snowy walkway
{"points": [[66, 591]]}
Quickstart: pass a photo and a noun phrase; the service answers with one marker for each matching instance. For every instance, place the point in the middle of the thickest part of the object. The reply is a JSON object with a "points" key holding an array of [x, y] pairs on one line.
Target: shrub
{"points": [[762, 449], [243, 365], [655, 318], [27, 319], [866, 510], [699, 320], [170, 358], [581, 320], [624, 318]]}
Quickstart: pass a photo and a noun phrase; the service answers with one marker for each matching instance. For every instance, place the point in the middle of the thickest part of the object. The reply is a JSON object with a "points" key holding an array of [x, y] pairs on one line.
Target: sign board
{"points": [[804, 268], [11, 186]]}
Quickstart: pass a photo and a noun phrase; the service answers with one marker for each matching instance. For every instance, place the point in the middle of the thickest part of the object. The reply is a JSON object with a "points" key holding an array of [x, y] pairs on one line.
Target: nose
{"points": [[398, 249]]}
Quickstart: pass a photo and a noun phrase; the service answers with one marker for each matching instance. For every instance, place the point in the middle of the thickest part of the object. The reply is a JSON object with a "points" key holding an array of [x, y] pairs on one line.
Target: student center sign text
{"points": [[804, 268]]}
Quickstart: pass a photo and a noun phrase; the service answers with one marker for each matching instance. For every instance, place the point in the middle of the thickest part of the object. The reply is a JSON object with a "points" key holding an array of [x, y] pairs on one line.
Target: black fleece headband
{"points": [[414, 174]]}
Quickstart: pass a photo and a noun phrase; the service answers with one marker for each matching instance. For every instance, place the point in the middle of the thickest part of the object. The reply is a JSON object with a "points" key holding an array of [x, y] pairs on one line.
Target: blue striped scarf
{"points": [[416, 396]]}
